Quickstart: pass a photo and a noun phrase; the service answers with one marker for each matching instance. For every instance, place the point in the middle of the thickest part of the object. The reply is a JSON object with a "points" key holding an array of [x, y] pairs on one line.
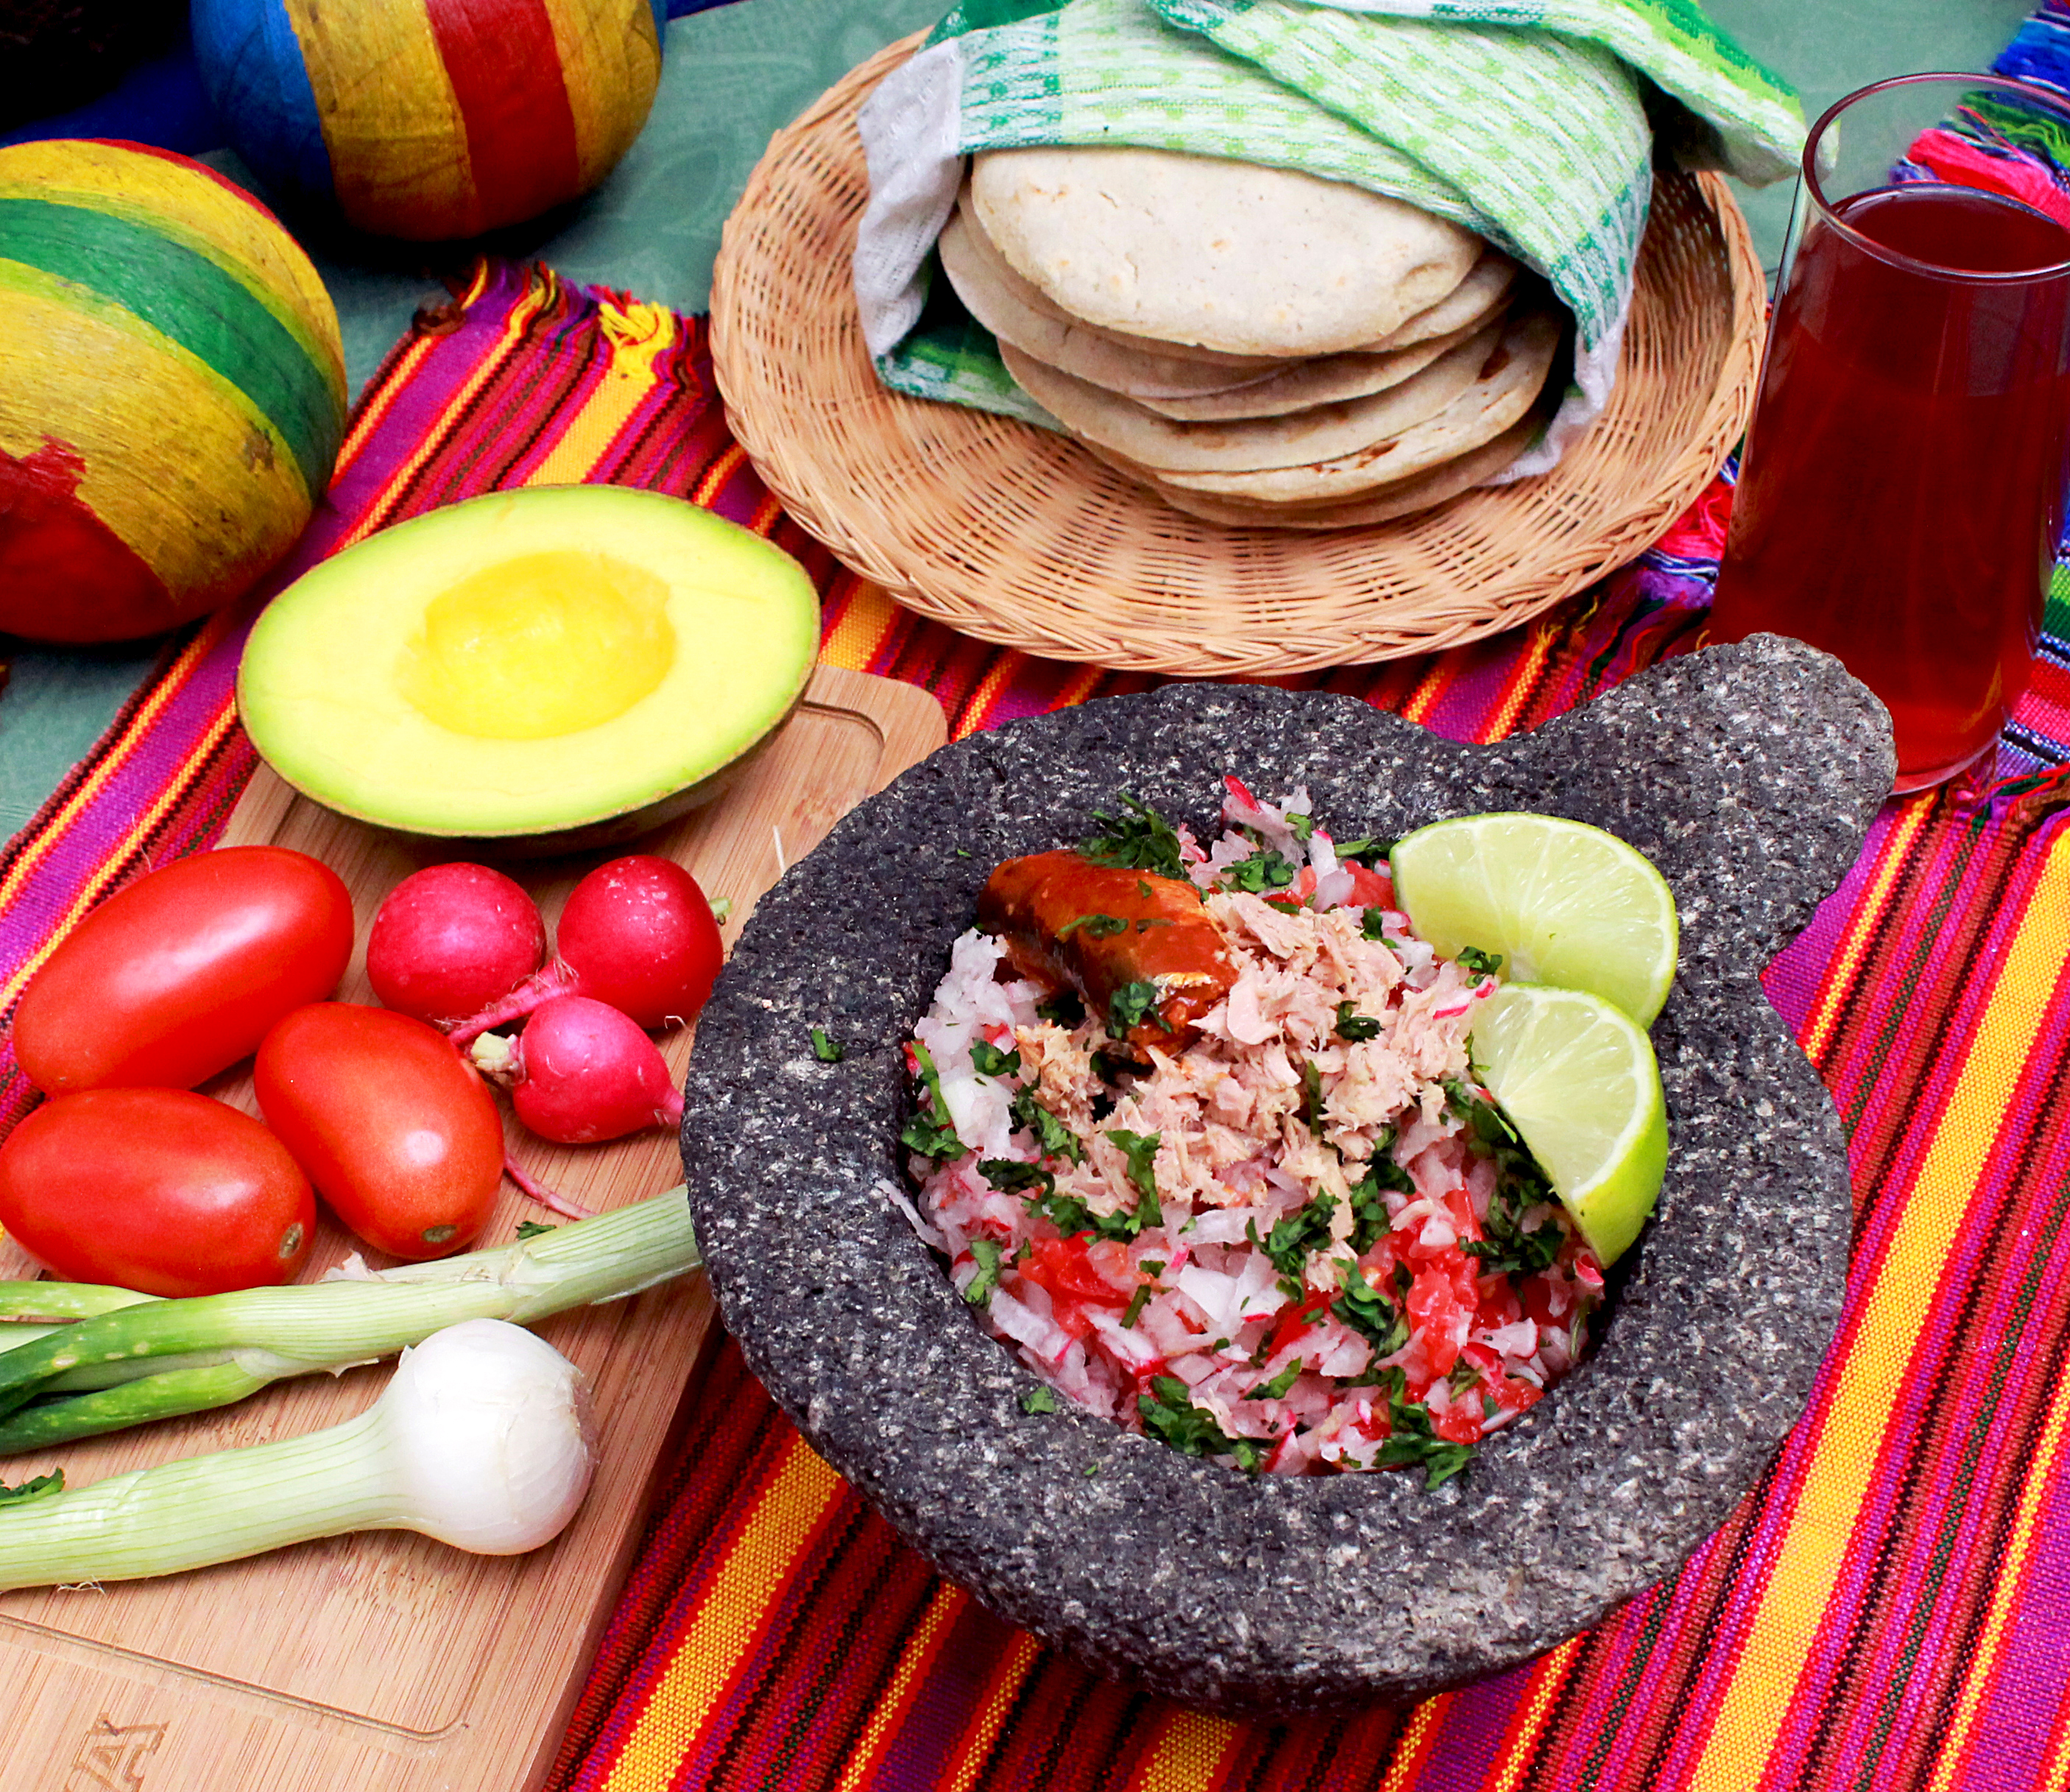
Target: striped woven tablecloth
{"points": [[1890, 1606]]}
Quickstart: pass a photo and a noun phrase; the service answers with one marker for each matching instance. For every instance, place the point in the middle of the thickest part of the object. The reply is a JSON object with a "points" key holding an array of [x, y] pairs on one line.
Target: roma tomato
{"points": [[157, 1189], [398, 1131], [179, 974]]}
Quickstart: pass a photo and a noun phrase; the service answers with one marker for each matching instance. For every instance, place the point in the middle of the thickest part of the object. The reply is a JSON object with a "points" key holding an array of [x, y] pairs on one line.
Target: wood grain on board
{"points": [[386, 1662]]}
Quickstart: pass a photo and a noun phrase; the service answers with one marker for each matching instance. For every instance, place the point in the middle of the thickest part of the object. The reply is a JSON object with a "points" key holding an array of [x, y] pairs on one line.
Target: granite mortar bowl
{"points": [[1748, 774]]}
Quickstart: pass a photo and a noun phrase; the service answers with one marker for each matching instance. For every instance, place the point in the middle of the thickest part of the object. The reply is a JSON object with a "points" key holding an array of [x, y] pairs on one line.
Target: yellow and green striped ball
{"points": [[430, 119], [172, 390]]}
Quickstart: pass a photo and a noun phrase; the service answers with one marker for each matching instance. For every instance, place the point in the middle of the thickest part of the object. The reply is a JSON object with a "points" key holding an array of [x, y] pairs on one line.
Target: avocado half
{"points": [[540, 670]]}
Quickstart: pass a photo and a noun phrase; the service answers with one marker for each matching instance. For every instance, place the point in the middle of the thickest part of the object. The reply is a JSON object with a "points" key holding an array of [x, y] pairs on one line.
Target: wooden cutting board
{"points": [[387, 1663]]}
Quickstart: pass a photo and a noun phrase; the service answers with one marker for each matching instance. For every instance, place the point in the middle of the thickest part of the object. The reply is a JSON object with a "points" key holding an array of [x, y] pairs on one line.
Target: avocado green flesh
{"points": [[529, 662]]}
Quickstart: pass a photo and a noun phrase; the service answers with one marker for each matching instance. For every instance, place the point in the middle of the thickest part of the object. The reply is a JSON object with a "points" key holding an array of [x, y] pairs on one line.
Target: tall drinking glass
{"points": [[1902, 496]]}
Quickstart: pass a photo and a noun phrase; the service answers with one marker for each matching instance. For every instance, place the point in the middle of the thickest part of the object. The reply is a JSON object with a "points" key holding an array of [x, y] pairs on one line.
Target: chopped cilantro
{"points": [[37, 1488], [932, 1139], [1169, 1414], [1302, 827], [1010, 1176], [1368, 1206], [987, 1060], [1276, 1388], [1520, 1184], [1038, 1399], [1415, 1441], [1135, 839], [931, 1132], [1064, 1008], [1354, 1026], [1367, 851], [1070, 1216], [1311, 1095], [1374, 926], [1370, 1313], [1259, 873], [1133, 1002], [1097, 927], [534, 1229], [1289, 1242], [825, 1049], [1092, 1470], [1136, 1302], [1481, 963], [1140, 1148], [1150, 1266], [1143, 888], [1053, 1138], [985, 1252]]}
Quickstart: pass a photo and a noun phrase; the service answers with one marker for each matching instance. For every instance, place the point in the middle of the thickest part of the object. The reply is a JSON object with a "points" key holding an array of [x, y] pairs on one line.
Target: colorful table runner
{"points": [[1887, 1607]]}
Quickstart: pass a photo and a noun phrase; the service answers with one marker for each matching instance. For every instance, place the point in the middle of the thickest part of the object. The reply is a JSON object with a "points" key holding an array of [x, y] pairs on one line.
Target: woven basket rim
{"points": [[1020, 538]]}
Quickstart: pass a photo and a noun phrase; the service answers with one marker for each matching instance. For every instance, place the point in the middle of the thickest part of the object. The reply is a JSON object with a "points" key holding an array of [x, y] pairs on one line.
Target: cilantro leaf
{"points": [[1053, 1138], [1097, 927], [935, 1138], [1259, 873], [987, 1060], [1289, 1242], [1371, 1314], [1038, 1399], [1136, 1302], [1354, 1026], [1374, 926], [1010, 1176], [1369, 1203], [1170, 1415], [1414, 1440], [533, 1229], [1140, 1148], [1136, 839], [1311, 1095], [985, 1254], [931, 1132], [1131, 1003], [825, 1049], [1481, 963], [1277, 1387]]}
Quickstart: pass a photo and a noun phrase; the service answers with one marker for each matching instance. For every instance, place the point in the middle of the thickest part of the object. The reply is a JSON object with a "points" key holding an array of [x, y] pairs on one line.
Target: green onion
{"points": [[156, 1359], [478, 1440]]}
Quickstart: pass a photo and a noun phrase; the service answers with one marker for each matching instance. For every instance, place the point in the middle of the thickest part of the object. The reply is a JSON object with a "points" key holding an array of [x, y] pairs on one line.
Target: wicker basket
{"points": [[1018, 537]]}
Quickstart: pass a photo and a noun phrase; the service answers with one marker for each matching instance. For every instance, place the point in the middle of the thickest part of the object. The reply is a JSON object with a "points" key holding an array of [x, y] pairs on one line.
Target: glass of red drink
{"points": [[1902, 496]]}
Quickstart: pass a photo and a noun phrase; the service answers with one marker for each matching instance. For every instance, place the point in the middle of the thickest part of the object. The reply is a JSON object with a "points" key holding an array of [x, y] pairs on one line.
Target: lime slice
{"points": [[1578, 1081], [1563, 902]]}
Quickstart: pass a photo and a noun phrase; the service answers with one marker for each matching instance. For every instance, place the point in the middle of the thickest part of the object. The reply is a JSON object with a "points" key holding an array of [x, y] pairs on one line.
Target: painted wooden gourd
{"points": [[172, 390], [430, 119]]}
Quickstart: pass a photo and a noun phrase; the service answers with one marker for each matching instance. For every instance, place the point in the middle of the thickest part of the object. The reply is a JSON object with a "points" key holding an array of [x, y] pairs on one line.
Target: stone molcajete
{"points": [[1748, 774]]}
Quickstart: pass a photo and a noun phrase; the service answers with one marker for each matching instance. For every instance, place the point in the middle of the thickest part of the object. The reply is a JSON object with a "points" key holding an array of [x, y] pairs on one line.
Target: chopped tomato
{"points": [[1460, 1423], [1296, 1322], [1459, 1205], [1078, 1268], [1498, 1304], [1441, 1304], [1370, 889]]}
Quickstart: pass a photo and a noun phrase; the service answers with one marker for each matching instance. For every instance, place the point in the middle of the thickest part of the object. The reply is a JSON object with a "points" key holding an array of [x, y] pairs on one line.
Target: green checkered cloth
{"points": [[1531, 122]]}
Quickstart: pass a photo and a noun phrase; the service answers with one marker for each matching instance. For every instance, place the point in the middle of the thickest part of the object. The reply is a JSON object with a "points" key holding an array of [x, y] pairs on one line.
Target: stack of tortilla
{"points": [[1257, 345]]}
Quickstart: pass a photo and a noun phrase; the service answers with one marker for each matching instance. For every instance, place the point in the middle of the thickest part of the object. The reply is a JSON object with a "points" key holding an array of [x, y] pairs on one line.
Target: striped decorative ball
{"points": [[172, 390], [430, 119]]}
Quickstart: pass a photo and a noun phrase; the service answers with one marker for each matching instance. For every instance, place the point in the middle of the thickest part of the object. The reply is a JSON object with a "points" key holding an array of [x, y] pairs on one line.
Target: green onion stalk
{"points": [[129, 1359], [482, 1439]]}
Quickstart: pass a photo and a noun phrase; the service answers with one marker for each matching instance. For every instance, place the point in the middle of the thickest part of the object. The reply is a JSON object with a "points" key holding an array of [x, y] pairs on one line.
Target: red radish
{"points": [[452, 939], [638, 934], [582, 1072]]}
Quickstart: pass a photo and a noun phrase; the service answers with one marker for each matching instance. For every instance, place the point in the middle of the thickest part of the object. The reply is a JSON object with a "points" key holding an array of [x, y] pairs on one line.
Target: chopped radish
{"points": [[638, 934], [451, 938], [581, 1072]]}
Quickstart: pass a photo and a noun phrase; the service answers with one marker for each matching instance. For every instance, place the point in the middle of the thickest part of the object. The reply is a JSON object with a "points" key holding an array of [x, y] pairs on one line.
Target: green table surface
{"points": [[732, 76]]}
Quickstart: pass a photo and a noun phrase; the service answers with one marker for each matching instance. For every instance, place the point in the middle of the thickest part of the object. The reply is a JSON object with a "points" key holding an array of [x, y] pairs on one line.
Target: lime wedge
{"points": [[1578, 1079], [1563, 902]]}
